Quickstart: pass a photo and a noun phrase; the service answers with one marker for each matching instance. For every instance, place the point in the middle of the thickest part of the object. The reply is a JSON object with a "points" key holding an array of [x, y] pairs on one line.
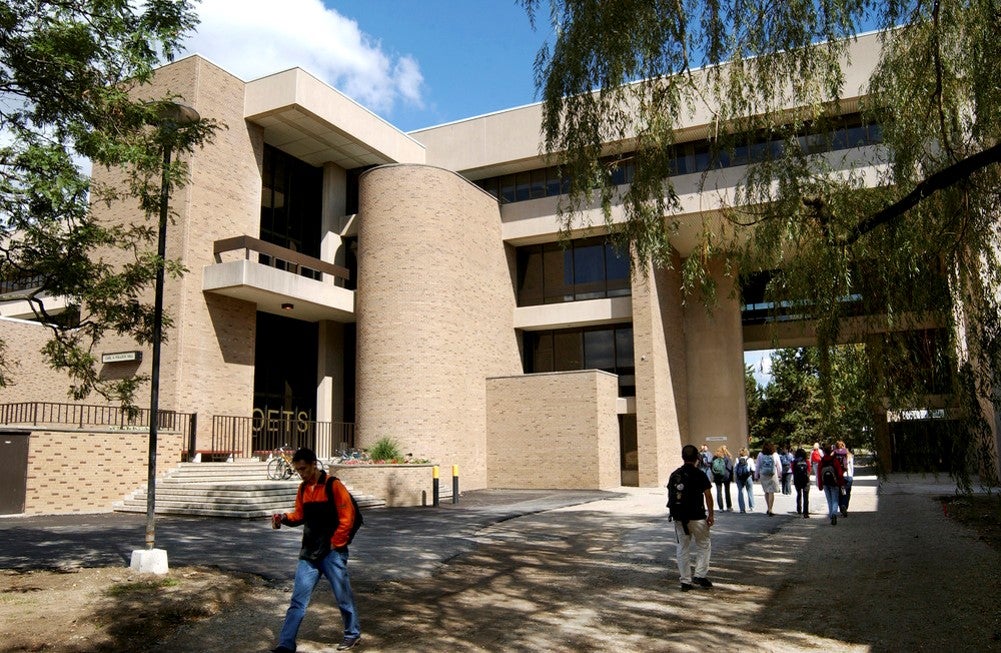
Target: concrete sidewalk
{"points": [[568, 571]]}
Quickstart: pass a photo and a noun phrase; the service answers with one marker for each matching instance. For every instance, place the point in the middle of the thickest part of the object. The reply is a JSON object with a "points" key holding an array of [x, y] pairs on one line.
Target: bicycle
{"points": [[280, 464]]}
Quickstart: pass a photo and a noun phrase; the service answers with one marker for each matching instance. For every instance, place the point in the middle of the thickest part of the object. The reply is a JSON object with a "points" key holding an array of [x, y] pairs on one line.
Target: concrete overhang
{"points": [[314, 122], [14, 306], [591, 312], [270, 288]]}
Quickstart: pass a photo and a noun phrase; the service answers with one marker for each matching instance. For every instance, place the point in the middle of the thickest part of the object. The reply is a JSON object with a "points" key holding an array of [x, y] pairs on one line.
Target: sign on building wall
{"points": [[122, 357]]}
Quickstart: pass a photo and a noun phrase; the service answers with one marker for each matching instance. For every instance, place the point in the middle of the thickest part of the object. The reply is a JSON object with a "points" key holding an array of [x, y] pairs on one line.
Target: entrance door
{"points": [[13, 471]]}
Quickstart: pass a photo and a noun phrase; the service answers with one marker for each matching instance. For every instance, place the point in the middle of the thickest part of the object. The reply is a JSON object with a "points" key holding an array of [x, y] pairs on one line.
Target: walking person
{"points": [[706, 461], [768, 466], [743, 473], [830, 479], [690, 502], [847, 460], [801, 479], [722, 467], [815, 457], [786, 457], [328, 515]]}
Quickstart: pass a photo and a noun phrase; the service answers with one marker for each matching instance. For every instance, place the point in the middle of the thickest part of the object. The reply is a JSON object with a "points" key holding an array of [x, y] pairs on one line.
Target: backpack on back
{"points": [[359, 520], [828, 474], [767, 466], [682, 501], [719, 470], [801, 471], [743, 470]]}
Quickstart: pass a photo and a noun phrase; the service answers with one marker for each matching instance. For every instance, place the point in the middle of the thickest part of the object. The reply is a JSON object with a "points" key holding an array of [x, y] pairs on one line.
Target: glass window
{"points": [[507, 189], [599, 350], [567, 353], [530, 276], [554, 182], [557, 273], [589, 270], [522, 186], [538, 187], [616, 272], [540, 349]]}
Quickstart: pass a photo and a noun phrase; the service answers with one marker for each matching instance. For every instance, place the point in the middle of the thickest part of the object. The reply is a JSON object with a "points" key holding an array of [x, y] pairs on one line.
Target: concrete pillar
{"points": [[715, 354], [661, 387]]}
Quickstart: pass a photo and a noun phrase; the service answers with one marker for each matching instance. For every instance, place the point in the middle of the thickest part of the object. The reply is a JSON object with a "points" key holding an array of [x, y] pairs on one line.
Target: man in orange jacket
{"points": [[328, 515]]}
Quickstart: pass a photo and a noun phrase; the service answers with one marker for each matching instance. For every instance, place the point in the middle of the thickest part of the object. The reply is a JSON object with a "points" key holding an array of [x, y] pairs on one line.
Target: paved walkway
{"points": [[567, 571]]}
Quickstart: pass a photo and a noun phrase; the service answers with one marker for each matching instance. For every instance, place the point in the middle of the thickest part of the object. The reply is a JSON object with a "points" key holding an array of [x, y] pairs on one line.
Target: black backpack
{"points": [[359, 520], [683, 502], [801, 471], [828, 474]]}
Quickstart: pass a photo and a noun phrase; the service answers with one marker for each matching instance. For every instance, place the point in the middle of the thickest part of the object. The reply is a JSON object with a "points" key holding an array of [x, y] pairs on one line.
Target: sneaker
{"points": [[704, 583], [349, 642], [806, 515], [687, 587], [282, 649]]}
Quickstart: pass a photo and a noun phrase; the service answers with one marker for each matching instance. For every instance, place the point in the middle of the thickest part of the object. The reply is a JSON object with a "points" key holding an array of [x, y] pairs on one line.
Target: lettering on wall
{"points": [[270, 420]]}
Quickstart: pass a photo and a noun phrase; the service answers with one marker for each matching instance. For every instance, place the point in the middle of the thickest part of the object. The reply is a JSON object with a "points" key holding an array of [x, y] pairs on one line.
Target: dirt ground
{"points": [[527, 587]]}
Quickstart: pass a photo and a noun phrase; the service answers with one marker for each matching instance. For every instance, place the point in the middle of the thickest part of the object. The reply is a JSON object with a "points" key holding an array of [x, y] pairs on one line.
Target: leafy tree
{"points": [[792, 409], [914, 240], [71, 86]]}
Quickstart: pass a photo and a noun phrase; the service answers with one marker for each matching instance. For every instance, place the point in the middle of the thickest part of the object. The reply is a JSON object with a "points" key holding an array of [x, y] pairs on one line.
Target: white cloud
{"points": [[253, 38]]}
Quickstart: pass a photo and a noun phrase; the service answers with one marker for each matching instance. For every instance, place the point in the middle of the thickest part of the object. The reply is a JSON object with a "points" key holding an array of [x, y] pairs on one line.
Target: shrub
{"points": [[385, 449]]}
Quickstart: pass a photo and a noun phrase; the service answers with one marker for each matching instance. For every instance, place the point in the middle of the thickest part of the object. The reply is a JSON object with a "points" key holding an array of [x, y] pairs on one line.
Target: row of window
{"points": [[588, 268], [695, 157], [608, 348]]}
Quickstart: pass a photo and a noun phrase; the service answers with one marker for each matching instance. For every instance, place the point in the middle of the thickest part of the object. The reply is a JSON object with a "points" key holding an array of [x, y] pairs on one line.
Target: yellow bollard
{"points": [[455, 484], [434, 486]]}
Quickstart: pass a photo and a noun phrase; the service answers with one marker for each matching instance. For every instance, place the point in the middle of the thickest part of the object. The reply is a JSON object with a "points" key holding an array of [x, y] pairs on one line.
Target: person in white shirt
{"points": [[768, 467]]}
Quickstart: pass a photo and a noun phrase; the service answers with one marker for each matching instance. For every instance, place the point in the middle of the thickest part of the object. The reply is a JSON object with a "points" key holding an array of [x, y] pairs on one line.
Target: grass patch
{"points": [[140, 587]]}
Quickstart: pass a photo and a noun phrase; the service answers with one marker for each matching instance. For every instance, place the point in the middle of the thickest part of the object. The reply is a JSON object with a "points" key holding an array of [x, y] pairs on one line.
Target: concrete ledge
{"points": [[398, 485], [149, 561]]}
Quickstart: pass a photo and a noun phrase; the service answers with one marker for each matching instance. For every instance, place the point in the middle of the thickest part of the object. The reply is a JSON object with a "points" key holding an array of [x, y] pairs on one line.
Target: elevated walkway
{"points": [[239, 489]]}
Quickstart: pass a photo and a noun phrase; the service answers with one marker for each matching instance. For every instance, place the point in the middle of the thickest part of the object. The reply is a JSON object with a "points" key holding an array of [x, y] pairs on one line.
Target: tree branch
{"points": [[940, 180]]}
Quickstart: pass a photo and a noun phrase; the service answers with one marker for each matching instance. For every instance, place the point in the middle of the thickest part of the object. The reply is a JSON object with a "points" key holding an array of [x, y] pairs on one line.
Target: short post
{"points": [[434, 486], [455, 484]]}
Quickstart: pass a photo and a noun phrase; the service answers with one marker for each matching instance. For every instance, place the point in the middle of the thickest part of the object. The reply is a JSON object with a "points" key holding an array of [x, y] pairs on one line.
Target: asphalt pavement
{"points": [[394, 543]]}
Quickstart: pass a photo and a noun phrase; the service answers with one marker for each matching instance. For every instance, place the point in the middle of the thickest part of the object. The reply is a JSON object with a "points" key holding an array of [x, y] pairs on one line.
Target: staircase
{"points": [[238, 489]]}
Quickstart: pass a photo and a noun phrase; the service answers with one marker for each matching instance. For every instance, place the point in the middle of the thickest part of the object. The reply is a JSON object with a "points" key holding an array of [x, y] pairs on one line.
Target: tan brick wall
{"points": [[661, 373], [399, 485], [208, 356], [715, 354], [32, 379], [553, 431], [87, 471], [435, 307]]}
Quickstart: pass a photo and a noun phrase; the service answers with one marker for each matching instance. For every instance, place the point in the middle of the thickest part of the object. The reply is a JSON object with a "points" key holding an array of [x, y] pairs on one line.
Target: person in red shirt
{"points": [[324, 507], [830, 479]]}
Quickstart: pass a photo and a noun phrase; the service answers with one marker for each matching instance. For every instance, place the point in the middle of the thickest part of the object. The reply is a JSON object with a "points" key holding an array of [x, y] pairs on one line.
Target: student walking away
{"points": [[706, 462], [786, 457], [830, 479], [330, 518], [847, 460], [769, 466], [801, 479], [722, 467], [743, 473], [690, 502]]}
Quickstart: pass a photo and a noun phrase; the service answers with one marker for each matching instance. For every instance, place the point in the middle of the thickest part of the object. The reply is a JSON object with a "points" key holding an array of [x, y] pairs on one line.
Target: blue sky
{"points": [[416, 63]]}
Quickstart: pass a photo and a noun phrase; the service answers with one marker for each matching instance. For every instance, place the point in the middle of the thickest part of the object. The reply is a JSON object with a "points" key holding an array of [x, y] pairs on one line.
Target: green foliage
{"points": [[385, 449], [791, 408], [909, 229], [72, 80]]}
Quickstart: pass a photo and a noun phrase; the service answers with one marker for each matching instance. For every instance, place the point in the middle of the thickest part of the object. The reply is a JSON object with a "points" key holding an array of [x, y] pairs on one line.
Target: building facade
{"points": [[348, 282]]}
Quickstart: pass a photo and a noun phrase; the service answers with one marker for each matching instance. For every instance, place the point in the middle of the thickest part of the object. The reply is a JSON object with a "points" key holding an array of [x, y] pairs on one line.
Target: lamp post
{"points": [[171, 116]]}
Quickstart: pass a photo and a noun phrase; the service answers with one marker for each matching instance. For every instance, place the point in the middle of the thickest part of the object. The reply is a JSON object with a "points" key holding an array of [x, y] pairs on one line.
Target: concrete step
{"points": [[238, 489]]}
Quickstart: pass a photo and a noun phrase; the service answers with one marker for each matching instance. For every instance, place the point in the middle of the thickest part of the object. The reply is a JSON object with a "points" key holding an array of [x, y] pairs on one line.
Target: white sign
{"points": [[716, 438], [122, 357]]}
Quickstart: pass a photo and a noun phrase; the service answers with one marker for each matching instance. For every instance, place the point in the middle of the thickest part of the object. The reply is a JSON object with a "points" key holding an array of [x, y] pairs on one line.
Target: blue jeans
{"points": [[307, 576], [832, 494], [846, 497], [747, 485]]}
